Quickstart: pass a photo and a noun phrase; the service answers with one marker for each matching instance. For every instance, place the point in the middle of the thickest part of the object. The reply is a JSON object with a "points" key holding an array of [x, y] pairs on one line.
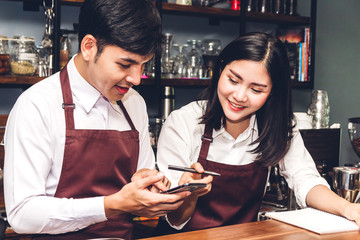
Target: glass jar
{"points": [[4, 55], [64, 50], [23, 58]]}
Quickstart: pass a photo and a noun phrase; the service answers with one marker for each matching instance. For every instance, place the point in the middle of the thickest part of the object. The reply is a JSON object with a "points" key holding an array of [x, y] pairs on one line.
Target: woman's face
{"points": [[243, 88]]}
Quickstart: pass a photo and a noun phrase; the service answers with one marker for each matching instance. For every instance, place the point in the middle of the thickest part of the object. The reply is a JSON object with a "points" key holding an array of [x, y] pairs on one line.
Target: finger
{"points": [[189, 177], [167, 182], [150, 180], [198, 167], [208, 179], [173, 198], [142, 173], [161, 186]]}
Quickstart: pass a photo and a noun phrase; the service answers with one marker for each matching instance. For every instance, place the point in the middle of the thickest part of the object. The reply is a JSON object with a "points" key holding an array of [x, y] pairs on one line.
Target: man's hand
{"points": [[157, 187], [137, 199]]}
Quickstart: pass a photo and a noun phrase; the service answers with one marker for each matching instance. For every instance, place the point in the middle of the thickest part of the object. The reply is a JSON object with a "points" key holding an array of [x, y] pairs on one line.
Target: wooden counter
{"points": [[268, 229]]}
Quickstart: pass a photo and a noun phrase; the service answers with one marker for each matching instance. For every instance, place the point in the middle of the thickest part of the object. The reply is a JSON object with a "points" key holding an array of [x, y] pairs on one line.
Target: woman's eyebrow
{"points": [[254, 83], [235, 73], [259, 84]]}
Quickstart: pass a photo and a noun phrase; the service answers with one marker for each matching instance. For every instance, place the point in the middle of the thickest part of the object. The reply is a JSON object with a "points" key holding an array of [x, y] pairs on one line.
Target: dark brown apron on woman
{"points": [[235, 196], [96, 163]]}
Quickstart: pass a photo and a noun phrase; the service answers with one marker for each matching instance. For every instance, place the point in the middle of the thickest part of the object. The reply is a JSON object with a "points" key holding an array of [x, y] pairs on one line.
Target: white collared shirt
{"points": [[34, 146], [180, 143]]}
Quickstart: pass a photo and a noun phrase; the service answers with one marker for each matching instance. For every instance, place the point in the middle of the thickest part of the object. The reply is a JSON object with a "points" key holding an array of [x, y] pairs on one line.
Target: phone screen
{"points": [[186, 187]]}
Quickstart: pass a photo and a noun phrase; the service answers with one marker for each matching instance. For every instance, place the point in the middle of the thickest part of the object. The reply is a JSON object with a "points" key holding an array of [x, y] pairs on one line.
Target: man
{"points": [[74, 140]]}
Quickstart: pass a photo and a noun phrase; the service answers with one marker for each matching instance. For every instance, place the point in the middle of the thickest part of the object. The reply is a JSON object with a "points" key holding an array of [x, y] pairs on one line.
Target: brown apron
{"points": [[235, 196], [96, 163]]}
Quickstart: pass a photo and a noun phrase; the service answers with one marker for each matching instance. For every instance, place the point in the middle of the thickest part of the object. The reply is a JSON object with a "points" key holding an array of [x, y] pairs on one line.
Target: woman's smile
{"points": [[235, 107]]}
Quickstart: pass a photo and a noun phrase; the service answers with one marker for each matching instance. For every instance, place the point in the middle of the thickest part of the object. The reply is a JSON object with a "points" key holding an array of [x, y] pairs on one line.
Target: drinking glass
{"points": [[195, 59], [181, 61]]}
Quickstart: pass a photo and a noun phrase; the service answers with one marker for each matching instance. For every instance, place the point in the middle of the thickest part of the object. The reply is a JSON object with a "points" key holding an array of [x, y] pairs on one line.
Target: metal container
{"points": [[168, 102], [346, 183]]}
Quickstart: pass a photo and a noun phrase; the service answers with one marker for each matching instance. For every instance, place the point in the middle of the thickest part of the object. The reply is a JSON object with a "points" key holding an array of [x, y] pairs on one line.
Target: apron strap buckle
{"points": [[207, 138], [64, 105]]}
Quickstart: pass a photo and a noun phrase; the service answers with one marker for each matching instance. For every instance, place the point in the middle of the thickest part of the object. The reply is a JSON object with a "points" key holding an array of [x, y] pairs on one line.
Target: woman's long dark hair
{"points": [[275, 118]]}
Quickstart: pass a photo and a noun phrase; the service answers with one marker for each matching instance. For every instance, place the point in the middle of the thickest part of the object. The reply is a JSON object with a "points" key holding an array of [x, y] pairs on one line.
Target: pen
{"points": [[185, 169]]}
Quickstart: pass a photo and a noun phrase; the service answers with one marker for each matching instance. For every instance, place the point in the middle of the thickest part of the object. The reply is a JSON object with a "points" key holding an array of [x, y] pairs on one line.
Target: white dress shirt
{"points": [[34, 146], [180, 143]]}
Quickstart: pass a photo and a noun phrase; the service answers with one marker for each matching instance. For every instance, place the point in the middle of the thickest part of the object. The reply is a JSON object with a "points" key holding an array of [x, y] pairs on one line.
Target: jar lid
{"points": [[26, 39]]}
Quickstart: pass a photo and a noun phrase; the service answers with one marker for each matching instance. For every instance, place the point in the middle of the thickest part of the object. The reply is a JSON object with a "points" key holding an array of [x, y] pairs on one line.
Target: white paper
{"points": [[315, 220]]}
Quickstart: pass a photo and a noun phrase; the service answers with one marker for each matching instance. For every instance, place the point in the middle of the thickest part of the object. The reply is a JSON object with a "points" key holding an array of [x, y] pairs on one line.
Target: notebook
{"points": [[315, 220]]}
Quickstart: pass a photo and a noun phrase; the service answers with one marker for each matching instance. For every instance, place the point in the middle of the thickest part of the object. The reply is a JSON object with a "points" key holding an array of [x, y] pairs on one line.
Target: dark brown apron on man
{"points": [[235, 196], [96, 163]]}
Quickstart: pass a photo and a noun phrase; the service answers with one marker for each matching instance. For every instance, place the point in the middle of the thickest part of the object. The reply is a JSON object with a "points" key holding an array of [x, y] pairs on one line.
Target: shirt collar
{"points": [[85, 94], [251, 129]]}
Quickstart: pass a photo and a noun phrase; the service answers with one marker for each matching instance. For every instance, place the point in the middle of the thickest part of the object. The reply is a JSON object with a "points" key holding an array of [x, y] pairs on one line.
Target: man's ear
{"points": [[88, 47]]}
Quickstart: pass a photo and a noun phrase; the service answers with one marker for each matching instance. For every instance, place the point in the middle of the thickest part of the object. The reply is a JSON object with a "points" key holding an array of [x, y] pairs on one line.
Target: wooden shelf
{"points": [[19, 80], [185, 82], [185, 10], [72, 2], [30, 80], [220, 13], [7, 80], [177, 82]]}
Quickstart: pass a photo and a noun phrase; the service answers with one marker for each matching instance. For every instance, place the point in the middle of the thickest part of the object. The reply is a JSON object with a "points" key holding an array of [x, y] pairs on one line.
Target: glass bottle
{"points": [[4, 55], [211, 48], [166, 59], [64, 50], [23, 57]]}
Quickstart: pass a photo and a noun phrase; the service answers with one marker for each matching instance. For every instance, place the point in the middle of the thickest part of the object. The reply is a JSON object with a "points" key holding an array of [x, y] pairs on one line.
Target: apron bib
{"points": [[235, 196], [96, 163]]}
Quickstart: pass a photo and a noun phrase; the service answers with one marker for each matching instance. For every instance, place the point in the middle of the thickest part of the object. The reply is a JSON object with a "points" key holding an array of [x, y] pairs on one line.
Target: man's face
{"points": [[115, 70]]}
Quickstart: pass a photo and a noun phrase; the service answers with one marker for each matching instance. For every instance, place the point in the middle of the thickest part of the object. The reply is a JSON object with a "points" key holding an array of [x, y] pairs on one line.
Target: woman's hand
{"points": [[186, 210], [188, 177], [352, 212]]}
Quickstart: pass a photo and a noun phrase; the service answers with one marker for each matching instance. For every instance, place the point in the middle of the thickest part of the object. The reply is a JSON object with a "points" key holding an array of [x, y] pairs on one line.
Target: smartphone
{"points": [[186, 187]]}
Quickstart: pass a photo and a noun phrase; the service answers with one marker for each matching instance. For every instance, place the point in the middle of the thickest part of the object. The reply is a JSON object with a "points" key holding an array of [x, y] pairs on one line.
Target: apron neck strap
{"points": [[121, 105], [68, 104], [206, 139]]}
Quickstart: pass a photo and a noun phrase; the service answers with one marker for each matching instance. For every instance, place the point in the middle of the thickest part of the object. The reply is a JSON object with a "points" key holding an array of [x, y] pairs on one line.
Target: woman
{"points": [[242, 126]]}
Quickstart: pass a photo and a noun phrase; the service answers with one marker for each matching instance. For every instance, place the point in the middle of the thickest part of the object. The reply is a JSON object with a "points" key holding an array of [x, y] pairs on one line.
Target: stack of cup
{"points": [[319, 109]]}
